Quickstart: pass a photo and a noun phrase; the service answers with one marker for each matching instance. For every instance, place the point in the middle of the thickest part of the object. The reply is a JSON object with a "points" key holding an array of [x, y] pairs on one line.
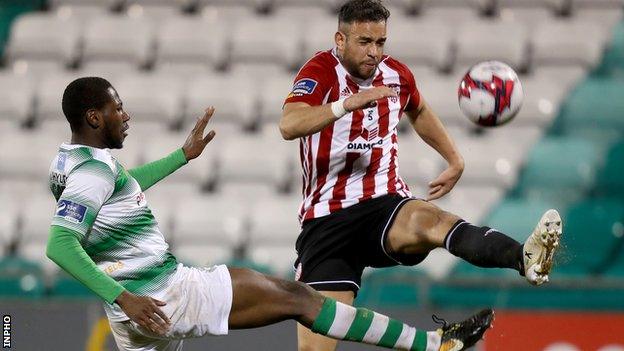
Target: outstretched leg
{"points": [[260, 300], [421, 226]]}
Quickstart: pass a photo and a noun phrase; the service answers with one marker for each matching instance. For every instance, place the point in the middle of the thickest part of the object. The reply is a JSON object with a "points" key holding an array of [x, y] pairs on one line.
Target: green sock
{"points": [[344, 322]]}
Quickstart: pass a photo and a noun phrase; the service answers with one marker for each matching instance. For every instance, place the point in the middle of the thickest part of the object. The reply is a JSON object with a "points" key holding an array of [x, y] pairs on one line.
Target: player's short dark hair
{"points": [[82, 95], [363, 11]]}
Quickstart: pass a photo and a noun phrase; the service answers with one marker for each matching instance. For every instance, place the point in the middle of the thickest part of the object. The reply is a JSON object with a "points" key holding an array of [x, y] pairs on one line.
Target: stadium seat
{"points": [[269, 163], [461, 201], [265, 227], [8, 224], [419, 163], [44, 37], [568, 43], [440, 92], [596, 103], [67, 287], [528, 16], [517, 217], [201, 254], [420, 43], [29, 152], [392, 287], [152, 99], [49, 94], [16, 98], [542, 100], [279, 257], [491, 160], [565, 76], [470, 286], [20, 278], [553, 5], [319, 36], [119, 39], [599, 4], [191, 41], [100, 3], [560, 169], [199, 171], [610, 181], [272, 97], [224, 93], [606, 17], [36, 216], [274, 40], [478, 41], [450, 13], [594, 232], [210, 220]]}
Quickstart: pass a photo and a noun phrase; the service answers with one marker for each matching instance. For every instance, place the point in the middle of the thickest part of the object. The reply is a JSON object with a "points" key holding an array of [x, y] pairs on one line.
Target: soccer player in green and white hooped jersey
{"points": [[104, 234]]}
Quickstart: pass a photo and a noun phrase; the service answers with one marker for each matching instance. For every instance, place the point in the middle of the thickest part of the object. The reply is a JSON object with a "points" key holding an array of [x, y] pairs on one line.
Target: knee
{"points": [[298, 296], [427, 221]]}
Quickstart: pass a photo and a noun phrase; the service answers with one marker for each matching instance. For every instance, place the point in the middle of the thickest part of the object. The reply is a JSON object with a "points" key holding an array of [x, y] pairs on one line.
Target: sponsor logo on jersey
{"points": [[397, 90], [140, 199], [303, 86], [368, 135], [345, 92], [58, 178], [71, 211], [60, 161]]}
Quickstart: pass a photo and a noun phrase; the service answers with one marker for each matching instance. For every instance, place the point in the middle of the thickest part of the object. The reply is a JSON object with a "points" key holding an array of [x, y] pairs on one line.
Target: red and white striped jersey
{"points": [[355, 158]]}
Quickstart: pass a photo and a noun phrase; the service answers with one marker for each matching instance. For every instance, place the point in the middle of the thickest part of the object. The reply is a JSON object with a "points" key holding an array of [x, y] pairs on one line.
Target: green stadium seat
{"points": [[597, 103], [592, 232], [613, 60], [20, 278], [391, 287], [470, 286], [560, 170], [9, 10], [610, 180], [552, 297], [517, 217]]}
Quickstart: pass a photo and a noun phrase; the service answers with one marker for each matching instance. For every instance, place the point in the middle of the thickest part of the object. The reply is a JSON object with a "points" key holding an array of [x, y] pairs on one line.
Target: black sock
{"points": [[484, 246]]}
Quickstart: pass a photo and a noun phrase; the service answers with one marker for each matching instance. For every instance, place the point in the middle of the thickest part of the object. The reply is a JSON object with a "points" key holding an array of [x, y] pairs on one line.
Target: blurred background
{"points": [[238, 203]]}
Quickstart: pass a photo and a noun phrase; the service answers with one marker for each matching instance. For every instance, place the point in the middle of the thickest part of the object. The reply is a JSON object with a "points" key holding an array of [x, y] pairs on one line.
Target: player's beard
{"points": [[114, 137]]}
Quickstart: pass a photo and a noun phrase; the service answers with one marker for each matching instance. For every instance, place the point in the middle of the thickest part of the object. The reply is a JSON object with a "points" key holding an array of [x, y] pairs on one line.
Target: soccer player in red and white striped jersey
{"points": [[357, 212]]}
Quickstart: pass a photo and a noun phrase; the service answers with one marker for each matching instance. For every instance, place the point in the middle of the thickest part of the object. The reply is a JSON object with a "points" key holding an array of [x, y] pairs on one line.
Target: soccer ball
{"points": [[490, 94]]}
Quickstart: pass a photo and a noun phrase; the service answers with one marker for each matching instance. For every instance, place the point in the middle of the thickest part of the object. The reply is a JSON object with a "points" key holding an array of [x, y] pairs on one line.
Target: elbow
{"points": [[286, 132]]}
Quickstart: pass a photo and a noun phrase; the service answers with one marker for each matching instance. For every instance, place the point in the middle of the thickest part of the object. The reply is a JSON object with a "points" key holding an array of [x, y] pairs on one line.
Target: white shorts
{"points": [[198, 300]]}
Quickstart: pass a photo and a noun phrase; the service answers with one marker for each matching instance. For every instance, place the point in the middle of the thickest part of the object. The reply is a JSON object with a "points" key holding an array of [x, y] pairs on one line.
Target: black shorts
{"points": [[334, 250]]}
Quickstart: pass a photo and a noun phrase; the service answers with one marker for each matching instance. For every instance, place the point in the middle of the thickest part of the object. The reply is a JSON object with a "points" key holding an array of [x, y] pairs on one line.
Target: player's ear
{"points": [[94, 118], [340, 38]]}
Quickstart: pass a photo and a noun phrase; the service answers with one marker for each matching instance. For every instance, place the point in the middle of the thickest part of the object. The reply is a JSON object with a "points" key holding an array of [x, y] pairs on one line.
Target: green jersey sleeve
{"points": [[151, 173], [88, 187]]}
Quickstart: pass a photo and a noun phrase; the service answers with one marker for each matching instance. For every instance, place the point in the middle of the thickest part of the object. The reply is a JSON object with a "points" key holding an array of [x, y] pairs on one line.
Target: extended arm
{"points": [[429, 127], [299, 119], [151, 173]]}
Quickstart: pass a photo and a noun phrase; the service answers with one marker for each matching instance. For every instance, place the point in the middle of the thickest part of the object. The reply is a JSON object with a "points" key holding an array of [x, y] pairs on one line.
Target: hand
{"points": [[144, 310], [367, 98], [196, 142], [445, 182]]}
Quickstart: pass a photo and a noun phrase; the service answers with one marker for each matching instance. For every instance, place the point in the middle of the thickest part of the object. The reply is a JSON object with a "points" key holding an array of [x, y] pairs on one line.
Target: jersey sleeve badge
{"points": [[71, 211], [303, 87]]}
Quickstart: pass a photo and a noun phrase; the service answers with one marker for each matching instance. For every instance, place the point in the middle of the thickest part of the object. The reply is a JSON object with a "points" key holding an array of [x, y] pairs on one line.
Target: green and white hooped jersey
{"points": [[100, 200]]}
